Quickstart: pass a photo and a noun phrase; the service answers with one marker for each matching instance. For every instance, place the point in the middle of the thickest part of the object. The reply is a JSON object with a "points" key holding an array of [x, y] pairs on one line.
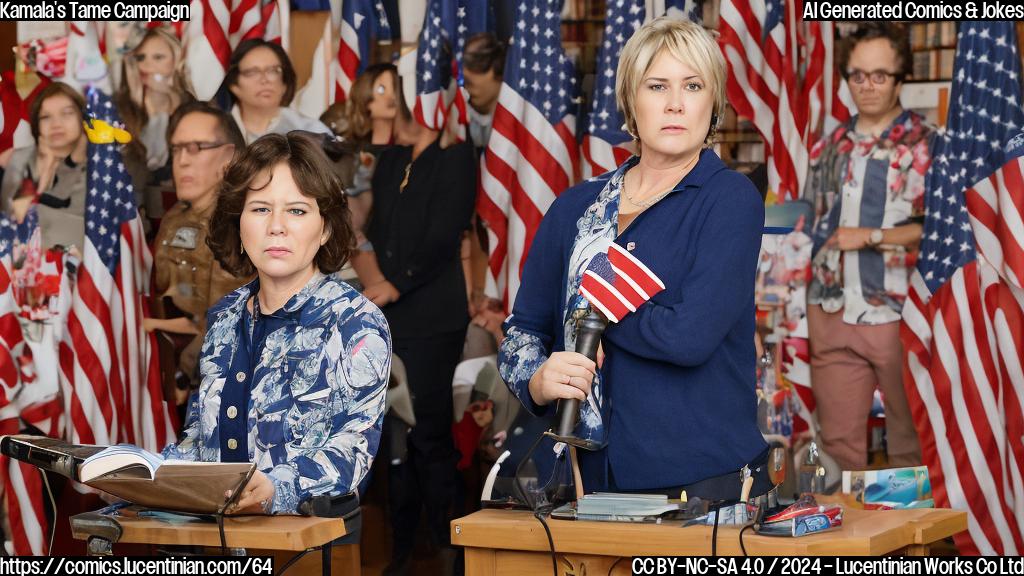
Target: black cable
{"points": [[519, 469], [539, 515], [742, 530], [296, 558], [614, 564], [223, 537], [53, 505], [714, 532]]}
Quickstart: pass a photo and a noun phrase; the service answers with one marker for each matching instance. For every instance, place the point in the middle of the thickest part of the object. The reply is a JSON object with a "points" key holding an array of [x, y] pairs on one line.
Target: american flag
{"points": [[602, 144], [616, 283], [532, 155], [603, 148], [762, 42], [963, 322], [360, 20], [109, 372], [22, 484], [246, 21], [446, 26], [688, 9], [275, 22], [13, 119], [208, 46]]}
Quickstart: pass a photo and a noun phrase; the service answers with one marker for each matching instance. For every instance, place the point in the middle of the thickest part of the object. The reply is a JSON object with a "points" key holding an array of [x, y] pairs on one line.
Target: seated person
{"points": [[261, 82], [295, 363], [202, 141], [50, 175]]}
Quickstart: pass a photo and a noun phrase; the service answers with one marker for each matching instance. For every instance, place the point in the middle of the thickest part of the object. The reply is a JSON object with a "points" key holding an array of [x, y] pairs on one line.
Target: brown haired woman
{"points": [[295, 363]]}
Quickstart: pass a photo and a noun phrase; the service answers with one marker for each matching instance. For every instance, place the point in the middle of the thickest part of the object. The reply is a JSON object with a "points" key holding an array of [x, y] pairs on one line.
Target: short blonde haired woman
{"points": [[672, 406]]}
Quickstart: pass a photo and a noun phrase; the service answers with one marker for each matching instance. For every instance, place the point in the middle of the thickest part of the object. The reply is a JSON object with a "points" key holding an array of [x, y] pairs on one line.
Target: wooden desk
{"points": [[264, 532], [500, 542], [261, 535]]}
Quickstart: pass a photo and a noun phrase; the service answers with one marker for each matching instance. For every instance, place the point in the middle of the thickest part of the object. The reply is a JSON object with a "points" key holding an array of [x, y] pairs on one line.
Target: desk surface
{"points": [[264, 532], [863, 533]]}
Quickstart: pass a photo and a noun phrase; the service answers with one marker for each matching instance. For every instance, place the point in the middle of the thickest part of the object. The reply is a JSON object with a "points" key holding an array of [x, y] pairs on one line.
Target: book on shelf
{"points": [[135, 474]]}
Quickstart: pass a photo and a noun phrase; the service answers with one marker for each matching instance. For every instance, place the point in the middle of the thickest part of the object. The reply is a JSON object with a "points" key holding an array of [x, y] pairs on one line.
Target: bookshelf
{"points": [[934, 47]]}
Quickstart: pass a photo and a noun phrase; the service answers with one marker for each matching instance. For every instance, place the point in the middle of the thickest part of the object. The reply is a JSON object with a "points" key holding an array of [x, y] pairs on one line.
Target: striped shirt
{"points": [[860, 181]]}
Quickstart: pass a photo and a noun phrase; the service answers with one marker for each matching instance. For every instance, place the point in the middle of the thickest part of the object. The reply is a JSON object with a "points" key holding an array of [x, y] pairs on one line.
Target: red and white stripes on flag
{"points": [[109, 374], [208, 46], [964, 376], [616, 283], [23, 498], [22, 485], [528, 163], [246, 21], [532, 154], [762, 42], [276, 20]]}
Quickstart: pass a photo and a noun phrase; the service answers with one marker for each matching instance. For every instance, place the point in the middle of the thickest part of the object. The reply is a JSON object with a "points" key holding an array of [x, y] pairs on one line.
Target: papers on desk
{"points": [[611, 507]]}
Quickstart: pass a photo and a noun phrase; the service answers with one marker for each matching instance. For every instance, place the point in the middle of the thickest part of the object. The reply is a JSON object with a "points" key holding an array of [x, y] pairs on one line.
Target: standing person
{"points": [[483, 68], [295, 363], [261, 81], [423, 198], [866, 181], [672, 407], [202, 141], [154, 83], [373, 105]]}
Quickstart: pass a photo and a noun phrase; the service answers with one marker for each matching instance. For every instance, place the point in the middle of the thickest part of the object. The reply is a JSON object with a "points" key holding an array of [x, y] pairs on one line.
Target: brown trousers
{"points": [[847, 363]]}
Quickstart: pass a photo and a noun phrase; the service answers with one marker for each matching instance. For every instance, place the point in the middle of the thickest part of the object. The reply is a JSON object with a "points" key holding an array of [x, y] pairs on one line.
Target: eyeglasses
{"points": [[194, 148], [271, 72], [878, 77], [480, 405]]}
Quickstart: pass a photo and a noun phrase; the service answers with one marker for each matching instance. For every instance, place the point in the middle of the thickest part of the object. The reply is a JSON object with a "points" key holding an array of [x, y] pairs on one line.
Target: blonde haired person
{"points": [[672, 405], [154, 82]]}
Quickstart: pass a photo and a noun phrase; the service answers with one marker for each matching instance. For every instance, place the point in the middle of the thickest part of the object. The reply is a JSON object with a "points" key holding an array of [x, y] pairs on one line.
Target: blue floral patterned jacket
{"points": [[317, 391]]}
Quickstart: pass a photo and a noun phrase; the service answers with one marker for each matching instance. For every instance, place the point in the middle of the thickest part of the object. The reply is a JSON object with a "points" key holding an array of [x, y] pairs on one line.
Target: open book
{"points": [[135, 474]]}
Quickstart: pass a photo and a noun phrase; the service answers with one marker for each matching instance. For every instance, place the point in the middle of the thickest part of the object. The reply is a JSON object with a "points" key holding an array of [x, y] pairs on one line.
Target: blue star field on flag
{"points": [[985, 114]]}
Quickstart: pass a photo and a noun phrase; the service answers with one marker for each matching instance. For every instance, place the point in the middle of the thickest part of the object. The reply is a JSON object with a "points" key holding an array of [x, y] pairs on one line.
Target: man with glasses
{"points": [[866, 181], [202, 141]]}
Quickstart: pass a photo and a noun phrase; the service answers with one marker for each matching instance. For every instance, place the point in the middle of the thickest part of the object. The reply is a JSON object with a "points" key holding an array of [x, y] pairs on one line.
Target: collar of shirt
{"points": [[250, 137], [292, 309], [707, 165], [891, 133]]}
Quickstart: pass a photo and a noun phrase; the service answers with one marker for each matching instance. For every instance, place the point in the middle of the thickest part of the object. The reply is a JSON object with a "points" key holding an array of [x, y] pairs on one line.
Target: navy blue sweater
{"points": [[679, 372]]}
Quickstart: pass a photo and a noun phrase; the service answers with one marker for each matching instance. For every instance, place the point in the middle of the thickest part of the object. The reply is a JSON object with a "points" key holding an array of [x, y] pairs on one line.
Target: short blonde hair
{"points": [[686, 41]]}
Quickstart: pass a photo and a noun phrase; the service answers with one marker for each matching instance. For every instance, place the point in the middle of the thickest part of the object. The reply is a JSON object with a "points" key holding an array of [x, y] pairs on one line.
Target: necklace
{"points": [[405, 180], [654, 200]]}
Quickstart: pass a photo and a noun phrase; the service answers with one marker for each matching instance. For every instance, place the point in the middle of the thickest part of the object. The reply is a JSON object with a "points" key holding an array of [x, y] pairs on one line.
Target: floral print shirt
{"points": [[315, 396], [862, 181]]}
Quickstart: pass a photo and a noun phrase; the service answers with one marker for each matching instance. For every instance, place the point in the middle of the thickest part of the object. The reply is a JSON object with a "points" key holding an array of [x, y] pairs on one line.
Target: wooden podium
{"points": [[512, 542], [260, 535]]}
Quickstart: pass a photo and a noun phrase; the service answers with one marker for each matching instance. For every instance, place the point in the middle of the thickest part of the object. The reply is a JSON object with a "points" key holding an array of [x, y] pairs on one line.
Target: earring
{"points": [[241, 249]]}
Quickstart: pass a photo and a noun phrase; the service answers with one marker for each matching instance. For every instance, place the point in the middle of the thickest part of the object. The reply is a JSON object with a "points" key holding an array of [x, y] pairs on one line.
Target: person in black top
{"points": [[423, 199]]}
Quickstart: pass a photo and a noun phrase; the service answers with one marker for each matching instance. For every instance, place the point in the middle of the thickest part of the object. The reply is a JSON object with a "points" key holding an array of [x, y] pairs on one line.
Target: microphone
{"points": [[591, 327], [43, 453]]}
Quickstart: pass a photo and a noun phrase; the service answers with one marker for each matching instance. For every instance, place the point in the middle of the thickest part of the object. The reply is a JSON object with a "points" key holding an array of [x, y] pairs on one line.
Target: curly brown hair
{"points": [[313, 175]]}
